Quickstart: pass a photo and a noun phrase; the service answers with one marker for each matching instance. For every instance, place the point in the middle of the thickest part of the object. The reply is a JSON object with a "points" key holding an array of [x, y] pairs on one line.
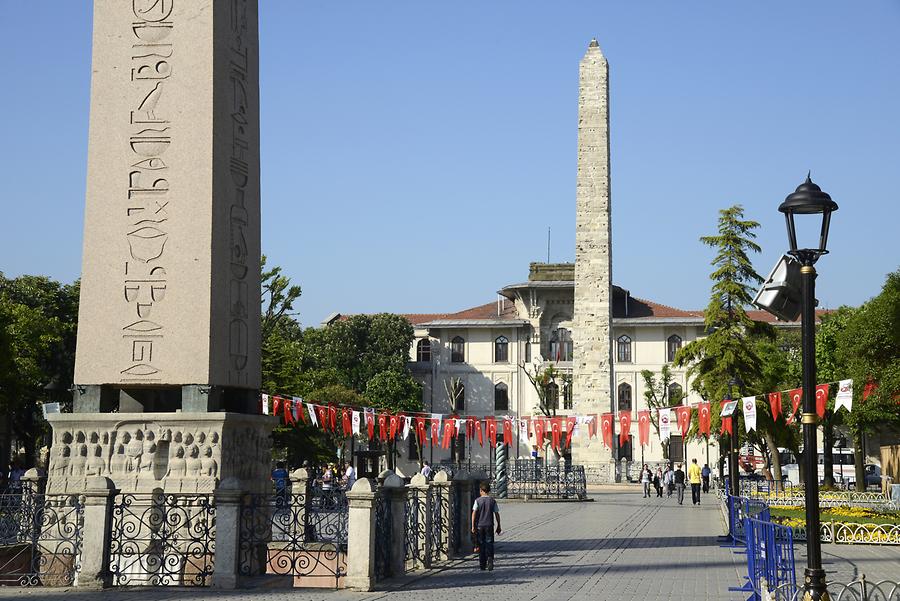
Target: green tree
{"points": [[728, 350], [657, 390], [278, 297]]}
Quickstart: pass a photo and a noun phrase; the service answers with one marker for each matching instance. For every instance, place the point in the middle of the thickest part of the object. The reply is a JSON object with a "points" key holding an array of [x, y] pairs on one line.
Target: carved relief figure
{"points": [[208, 464], [79, 461], [194, 465], [133, 449], [117, 463], [148, 452], [60, 463], [95, 465], [177, 464]]}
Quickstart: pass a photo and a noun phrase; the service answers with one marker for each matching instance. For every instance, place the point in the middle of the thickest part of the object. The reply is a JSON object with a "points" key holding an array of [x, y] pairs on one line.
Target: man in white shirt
{"points": [[350, 476]]}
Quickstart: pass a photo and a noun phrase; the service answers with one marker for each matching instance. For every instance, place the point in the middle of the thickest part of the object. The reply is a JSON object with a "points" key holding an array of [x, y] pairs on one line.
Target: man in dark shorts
{"points": [[484, 511]]}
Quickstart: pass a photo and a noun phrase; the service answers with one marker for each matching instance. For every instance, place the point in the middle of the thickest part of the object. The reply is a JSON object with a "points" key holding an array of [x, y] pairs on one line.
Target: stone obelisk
{"points": [[167, 368], [592, 371]]}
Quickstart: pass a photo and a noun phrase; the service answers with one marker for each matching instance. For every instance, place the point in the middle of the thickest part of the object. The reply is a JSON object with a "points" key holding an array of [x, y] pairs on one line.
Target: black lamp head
{"points": [[808, 199]]}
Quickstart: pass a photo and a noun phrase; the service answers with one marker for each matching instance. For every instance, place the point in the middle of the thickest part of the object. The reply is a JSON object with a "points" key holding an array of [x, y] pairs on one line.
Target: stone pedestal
{"points": [[95, 542], [361, 536], [172, 452], [228, 528], [464, 483], [395, 491]]}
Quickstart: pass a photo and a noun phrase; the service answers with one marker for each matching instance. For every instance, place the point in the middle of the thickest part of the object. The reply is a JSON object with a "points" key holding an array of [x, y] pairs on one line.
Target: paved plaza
{"points": [[617, 547]]}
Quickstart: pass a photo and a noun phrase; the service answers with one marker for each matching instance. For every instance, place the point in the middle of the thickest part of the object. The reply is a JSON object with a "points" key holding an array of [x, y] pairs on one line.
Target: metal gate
{"points": [[383, 536], [295, 534], [40, 537], [439, 530], [415, 525]]}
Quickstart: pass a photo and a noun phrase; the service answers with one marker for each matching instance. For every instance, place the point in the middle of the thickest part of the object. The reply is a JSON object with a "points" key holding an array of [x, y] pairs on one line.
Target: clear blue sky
{"points": [[414, 153]]}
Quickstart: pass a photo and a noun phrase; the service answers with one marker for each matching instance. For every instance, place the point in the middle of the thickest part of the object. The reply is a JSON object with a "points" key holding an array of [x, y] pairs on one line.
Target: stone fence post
{"points": [[299, 497], [418, 490], [463, 490], [228, 528], [361, 536], [96, 533], [395, 491], [441, 496]]}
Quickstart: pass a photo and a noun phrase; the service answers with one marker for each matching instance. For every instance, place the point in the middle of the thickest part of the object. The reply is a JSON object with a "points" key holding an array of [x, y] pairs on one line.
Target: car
{"points": [[873, 475]]}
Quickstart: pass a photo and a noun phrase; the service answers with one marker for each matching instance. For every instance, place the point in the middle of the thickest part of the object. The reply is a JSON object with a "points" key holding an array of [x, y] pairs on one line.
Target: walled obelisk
{"points": [[592, 371], [167, 365]]}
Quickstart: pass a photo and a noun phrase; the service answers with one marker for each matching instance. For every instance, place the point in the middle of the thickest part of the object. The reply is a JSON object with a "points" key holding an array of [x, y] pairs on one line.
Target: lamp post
{"points": [[809, 199]]}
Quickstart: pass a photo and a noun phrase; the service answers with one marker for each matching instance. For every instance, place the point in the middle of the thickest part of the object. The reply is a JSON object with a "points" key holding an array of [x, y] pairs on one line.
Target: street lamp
{"points": [[809, 199]]}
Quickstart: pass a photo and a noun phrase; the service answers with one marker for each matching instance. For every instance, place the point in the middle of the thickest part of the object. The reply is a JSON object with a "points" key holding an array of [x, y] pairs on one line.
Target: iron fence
{"points": [[40, 537], [297, 534], [162, 539], [857, 590], [437, 532], [552, 482], [416, 524], [770, 555], [383, 536]]}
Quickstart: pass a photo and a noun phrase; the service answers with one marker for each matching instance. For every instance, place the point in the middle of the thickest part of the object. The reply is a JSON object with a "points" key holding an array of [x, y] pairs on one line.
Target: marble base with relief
{"points": [[169, 452]]}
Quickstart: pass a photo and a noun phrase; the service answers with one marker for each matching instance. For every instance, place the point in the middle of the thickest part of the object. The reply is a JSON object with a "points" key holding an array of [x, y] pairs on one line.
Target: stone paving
{"points": [[618, 547]]}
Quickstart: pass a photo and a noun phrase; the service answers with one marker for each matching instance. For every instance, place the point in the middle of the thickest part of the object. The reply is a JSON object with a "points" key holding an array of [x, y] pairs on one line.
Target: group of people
{"points": [[673, 481], [328, 476]]}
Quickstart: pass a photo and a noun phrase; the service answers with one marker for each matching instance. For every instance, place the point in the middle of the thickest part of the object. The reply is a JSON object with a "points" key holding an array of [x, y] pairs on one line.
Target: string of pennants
{"points": [[440, 429]]}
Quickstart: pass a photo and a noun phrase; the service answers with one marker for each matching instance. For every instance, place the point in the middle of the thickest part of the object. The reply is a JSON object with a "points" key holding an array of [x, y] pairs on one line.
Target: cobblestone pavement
{"points": [[618, 547]]}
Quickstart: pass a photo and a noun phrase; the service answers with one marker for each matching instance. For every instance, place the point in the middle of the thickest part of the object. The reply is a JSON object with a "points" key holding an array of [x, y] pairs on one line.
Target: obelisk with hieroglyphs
{"points": [[593, 369], [170, 290]]}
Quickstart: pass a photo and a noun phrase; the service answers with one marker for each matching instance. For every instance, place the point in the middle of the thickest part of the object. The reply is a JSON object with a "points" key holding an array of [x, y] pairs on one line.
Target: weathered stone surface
{"points": [[170, 277], [174, 452], [592, 370]]}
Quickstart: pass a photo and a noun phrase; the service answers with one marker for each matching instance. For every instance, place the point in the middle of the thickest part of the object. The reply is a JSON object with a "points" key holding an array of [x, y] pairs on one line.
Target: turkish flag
{"points": [[421, 434], [322, 414], [592, 425], [478, 432], [539, 424], [703, 418], [726, 422], [570, 429], [449, 431], [345, 421], [276, 405], [644, 427], [288, 414], [821, 399], [370, 423], [683, 417], [507, 431], [394, 423], [470, 426], [435, 431], [624, 427], [775, 404], [383, 426], [332, 417], [868, 390], [796, 395], [555, 431], [606, 429], [491, 427]]}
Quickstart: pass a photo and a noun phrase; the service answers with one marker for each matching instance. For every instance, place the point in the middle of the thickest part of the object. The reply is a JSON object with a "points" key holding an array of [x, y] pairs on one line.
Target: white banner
{"points": [[356, 420], [665, 418], [265, 404], [749, 405], [407, 421], [312, 414], [523, 430], [844, 395]]}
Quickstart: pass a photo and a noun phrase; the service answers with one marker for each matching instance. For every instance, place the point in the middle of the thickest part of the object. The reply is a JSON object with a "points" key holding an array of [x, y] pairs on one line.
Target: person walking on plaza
{"points": [[484, 512], [694, 475], [645, 480], [679, 483], [657, 482], [705, 473], [668, 481]]}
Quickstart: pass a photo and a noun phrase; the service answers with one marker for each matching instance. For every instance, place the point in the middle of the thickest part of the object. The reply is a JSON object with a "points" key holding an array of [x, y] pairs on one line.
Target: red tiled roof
{"points": [[767, 317], [485, 311]]}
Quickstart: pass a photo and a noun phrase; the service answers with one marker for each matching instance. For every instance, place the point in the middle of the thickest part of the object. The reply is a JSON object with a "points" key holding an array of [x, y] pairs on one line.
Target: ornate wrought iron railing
{"points": [[853, 533], [383, 536], [292, 534], [416, 525], [162, 539], [440, 524], [554, 482], [858, 590], [40, 537], [795, 496]]}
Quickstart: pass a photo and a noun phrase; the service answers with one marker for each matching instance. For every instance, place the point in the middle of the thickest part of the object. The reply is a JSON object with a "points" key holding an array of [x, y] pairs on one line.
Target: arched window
{"points": [[423, 350], [623, 349], [552, 396], [501, 350], [459, 403], [457, 350], [676, 393], [672, 346], [567, 394], [561, 345], [624, 397], [501, 397]]}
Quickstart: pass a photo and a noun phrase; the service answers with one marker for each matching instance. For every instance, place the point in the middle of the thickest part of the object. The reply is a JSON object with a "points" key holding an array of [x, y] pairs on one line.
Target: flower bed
{"points": [[848, 525]]}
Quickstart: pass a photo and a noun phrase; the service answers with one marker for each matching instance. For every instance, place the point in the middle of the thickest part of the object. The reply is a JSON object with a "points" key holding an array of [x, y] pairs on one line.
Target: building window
{"points": [[567, 395], [457, 350], [624, 397], [676, 393], [501, 397], [458, 401], [552, 396], [423, 351], [672, 346], [561, 345], [623, 349], [625, 450], [413, 451], [501, 350]]}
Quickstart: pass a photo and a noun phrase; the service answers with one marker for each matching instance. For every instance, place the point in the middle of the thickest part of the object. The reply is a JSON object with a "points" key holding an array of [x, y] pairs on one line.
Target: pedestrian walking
{"points": [[657, 482], [426, 470], [694, 475], [484, 512], [705, 473], [679, 483], [668, 481], [645, 479]]}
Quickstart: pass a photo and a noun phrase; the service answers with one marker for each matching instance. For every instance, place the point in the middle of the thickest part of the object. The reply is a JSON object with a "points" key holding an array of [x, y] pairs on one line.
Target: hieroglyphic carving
{"points": [[240, 161], [147, 203]]}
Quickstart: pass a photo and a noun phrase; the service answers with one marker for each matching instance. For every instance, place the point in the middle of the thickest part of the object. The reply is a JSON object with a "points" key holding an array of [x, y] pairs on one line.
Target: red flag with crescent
{"points": [[449, 431], [383, 426], [322, 414], [346, 422], [644, 427], [555, 431], [288, 414], [796, 396], [470, 426], [703, 418], [592, 425], [421, 434], [276, 405], [479, 432], [570, 429], [539, 424], [726, 422], [507, 431], [332, 417], [775, 404], [821, 399], [435, 431], [370, 423], [606, 429], [491, 427], [624, 427], [394, 424], [683, 416]]}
